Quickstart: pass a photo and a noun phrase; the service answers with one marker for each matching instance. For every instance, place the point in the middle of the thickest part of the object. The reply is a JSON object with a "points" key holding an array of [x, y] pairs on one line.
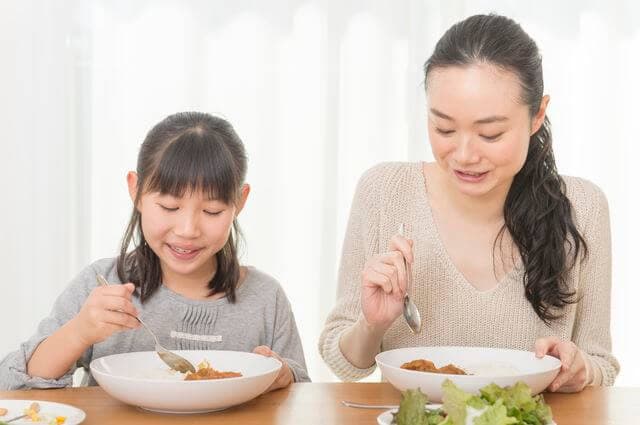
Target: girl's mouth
{"points": [[182, 253]]}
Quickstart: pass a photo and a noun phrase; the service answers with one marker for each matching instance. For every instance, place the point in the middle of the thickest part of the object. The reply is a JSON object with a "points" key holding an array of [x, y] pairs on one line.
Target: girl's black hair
{"points": [[537, 213], [184, 153]]}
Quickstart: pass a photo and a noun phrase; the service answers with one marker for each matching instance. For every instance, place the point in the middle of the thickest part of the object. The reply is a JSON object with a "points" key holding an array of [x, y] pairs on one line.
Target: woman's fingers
{"points": [[404, 245], [390, 274], [544, 346], [572, 376]]}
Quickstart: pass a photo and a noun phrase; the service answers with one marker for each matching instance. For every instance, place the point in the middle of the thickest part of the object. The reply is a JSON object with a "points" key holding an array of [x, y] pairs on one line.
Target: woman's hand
{"points": [[575, 372], [384, 283], [107, 310], [285, 376]]}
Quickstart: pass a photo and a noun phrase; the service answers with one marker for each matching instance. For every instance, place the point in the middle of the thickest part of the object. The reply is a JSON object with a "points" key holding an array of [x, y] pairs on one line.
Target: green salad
{"points": [[494, 406]]}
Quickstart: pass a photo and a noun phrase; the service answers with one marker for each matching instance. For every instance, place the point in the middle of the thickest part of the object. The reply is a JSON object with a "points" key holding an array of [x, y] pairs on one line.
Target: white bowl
{"points": [[143, 380], [500, 366]]}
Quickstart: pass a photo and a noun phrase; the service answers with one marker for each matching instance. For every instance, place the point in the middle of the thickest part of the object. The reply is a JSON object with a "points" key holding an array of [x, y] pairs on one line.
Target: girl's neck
{"points": [[193, 286]]}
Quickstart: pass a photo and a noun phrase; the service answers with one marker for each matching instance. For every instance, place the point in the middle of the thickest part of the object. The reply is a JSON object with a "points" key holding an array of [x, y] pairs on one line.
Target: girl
{"points": [[183, 275], [505, 252]]}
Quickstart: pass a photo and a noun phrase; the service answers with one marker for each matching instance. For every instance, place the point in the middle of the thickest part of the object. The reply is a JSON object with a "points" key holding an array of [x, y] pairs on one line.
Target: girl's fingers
{"points": [[285, 376], [123, 320], [120, 304]]}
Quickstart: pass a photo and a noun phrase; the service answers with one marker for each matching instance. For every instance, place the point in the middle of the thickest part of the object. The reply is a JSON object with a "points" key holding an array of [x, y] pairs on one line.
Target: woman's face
{"points": [[478, 127]]}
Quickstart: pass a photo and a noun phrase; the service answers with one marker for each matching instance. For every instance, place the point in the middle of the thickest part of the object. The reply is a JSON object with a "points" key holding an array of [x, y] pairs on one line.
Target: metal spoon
{"points": [[409, 309], [172, 360], [368, 406]]}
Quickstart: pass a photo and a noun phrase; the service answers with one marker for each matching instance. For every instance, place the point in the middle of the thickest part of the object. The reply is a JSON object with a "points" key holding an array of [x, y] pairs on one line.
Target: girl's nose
{"points": [[187, 226]]}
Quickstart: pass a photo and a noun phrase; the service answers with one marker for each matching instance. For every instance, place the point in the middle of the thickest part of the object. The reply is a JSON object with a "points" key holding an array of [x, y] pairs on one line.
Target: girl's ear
{"points": [[538, 119], [244, 194], [132, 183]]}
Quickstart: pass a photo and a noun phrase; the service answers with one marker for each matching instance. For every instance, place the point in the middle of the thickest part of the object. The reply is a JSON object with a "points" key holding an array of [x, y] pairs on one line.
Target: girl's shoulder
{"points": [[259, 281]]}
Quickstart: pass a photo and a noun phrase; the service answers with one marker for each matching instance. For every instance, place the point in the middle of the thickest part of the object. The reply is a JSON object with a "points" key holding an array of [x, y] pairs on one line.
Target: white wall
{"points": [[318, 90]]}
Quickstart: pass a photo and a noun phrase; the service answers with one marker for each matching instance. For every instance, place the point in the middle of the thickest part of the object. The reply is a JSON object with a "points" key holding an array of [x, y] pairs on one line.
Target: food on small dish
{"points": [[3, 411], [32, 412], [422, 365], [494, 405], [205, 371]]}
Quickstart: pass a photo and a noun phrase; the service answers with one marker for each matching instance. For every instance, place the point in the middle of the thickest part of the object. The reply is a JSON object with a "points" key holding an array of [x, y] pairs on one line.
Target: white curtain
{"points": [[318, 90]]}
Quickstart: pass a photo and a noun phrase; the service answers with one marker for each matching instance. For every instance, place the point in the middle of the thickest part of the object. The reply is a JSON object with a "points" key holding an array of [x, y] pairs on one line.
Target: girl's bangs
{"points": [[192, 164]]}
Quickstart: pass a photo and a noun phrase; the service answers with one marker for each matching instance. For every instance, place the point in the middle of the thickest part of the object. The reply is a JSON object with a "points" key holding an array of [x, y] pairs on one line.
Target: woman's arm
{"points": [[371, 284], [592, 333]]}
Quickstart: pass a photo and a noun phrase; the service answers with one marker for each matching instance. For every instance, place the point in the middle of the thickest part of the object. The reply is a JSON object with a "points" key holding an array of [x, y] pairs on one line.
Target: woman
{"points": [[504, 251]]}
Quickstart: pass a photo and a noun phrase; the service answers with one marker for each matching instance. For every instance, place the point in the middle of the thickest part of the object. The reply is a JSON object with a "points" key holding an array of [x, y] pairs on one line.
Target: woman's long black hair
{"points": [[184, 153], [537, 213]]}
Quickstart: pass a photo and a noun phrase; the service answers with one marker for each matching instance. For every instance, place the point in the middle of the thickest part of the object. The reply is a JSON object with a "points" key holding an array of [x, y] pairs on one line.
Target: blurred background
{"points": [[318, 90]]}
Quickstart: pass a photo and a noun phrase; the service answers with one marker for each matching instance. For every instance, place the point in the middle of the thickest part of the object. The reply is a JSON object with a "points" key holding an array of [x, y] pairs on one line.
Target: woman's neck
{"points": [[487, 208]]}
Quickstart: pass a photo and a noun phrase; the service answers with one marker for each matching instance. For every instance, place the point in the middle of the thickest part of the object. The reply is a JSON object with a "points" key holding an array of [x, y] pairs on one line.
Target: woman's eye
{"points": [[168, 208], [444, 132], [491, 138]]}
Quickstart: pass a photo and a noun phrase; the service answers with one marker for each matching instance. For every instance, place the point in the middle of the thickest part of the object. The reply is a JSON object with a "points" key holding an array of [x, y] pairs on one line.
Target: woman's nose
{"points": [[466, 152]]}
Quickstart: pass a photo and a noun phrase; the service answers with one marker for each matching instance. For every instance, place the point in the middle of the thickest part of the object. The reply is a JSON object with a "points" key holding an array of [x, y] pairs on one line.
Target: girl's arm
{"points": [[107, 310], [286, 342]]}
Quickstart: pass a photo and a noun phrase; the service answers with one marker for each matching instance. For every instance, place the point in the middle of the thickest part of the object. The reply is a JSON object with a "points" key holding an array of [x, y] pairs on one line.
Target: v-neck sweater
{"points": [[454, 312]]}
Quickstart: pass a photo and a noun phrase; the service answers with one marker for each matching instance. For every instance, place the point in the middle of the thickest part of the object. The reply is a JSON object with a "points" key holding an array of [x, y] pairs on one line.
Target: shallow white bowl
{"points": [[143, 380], [500, 366]]}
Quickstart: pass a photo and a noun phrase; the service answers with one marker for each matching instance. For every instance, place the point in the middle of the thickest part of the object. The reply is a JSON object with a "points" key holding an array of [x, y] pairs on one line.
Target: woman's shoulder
{"points": [[587, 199], [390, 178], [390, 171]]}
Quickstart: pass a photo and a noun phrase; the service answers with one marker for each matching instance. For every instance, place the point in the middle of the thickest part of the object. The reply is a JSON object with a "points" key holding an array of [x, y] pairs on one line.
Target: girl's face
{"points": [[186, 232], [478, 127]]}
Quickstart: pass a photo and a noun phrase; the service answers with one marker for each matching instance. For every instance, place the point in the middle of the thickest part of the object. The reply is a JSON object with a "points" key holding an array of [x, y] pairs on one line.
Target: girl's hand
{"points": [[107, 310], [285, 376], [384, 283], [575, 372]]}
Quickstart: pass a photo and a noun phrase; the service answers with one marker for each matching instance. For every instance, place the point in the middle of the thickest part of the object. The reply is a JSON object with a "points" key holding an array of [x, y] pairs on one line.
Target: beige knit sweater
{"points": [[453, 311]]}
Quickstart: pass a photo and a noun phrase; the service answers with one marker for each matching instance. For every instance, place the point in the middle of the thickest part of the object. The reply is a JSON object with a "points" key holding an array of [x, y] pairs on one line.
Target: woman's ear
{"points": [[538, 119], [132, 184], [244, 194]]}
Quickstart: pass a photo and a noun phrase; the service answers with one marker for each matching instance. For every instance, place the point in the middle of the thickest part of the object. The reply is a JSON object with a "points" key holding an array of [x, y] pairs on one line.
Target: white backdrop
{"points": [[318, 90]]}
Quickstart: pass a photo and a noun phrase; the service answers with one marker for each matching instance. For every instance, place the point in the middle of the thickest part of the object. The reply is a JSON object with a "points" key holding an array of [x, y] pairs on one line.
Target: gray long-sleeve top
{"points": [[261, 315]]}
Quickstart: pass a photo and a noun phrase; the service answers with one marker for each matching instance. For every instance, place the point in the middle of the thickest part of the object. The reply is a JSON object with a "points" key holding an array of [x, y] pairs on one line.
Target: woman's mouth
{"points": [[470, 176]]}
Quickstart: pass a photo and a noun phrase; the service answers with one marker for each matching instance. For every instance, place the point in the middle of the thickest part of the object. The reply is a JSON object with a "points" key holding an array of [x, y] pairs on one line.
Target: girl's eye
{"points": [[491, 138], [168, 208], [444, 132], [213, 212]]}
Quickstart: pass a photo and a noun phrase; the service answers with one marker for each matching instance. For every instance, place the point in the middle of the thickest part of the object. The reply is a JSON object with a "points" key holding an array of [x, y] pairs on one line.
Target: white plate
{"points": [[142, 379], [48, 410], [500, 366], [386, 417]]}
